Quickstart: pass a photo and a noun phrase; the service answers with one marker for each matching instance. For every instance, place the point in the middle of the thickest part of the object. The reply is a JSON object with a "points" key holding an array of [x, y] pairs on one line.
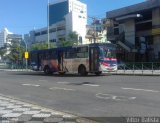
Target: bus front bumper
{"points": [[106, 69]]}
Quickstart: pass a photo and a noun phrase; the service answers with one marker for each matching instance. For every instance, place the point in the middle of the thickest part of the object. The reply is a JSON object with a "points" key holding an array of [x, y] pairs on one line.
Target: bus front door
{"points": [[93, 59]]}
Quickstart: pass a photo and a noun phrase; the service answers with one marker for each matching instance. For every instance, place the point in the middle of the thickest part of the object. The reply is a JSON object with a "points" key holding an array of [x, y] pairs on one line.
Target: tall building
{"points": [[96, 32], [3, 36], [136, 31], [65, 16], [7, 37]]}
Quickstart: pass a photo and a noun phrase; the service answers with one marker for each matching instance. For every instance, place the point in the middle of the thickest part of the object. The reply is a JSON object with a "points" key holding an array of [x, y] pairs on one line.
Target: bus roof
{"points": [[68, 47]]}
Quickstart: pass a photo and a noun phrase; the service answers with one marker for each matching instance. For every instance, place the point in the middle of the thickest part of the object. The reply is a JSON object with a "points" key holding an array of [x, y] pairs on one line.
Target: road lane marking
{"points": [[136, 89], [58, 88], [63, 82], [42, 80], [93, 85], [114, 97], [34, 85]]}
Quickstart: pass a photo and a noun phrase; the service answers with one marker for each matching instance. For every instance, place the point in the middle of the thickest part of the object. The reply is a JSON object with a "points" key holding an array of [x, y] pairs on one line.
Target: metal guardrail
{"points": [[139, 66], [147, 68], [136, 68], [14, 67]]}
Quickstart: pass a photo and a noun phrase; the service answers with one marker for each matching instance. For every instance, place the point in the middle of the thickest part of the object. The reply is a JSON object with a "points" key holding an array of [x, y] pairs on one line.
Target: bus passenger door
{"points": [[93, 59], [60, 60]]}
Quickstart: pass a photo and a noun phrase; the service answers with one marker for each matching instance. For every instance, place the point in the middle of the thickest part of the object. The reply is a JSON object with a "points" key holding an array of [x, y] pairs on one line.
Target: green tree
{"points": [[72, 39], [63, 42], [40, 46], [3, 51], [16, 53]]}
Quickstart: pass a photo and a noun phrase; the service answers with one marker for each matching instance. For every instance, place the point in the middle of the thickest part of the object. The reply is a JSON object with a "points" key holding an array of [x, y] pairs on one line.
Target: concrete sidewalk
{"points": [[15, 111]]}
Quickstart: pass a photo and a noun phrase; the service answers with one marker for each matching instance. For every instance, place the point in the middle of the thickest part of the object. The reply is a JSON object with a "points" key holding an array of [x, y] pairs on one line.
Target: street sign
{"points": [[26, 55]]}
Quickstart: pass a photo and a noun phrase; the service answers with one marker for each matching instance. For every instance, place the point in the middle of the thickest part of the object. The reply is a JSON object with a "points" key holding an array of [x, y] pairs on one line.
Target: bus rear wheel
{"points": [[47, 70], [82, 71]]}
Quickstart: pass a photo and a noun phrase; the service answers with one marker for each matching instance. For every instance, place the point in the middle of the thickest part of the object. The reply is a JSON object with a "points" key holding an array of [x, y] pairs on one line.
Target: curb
{"points": [[135, 74]]}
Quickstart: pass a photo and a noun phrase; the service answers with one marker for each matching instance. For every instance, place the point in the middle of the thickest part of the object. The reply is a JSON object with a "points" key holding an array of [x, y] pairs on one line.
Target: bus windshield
{"points": [[107, 52]]}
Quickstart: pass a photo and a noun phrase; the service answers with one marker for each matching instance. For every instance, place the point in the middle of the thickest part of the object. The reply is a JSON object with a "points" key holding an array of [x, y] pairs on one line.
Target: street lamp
{"points": [[48, 24]]}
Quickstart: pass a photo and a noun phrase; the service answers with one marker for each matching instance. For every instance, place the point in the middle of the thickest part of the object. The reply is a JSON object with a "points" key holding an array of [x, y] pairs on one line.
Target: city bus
{"points": [[92, 58]]}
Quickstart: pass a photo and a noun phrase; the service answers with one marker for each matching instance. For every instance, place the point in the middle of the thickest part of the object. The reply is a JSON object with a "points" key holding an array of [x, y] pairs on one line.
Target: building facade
{"points": [[96, 32], [3, 37], [136, 31], [65, 16], [7, 38]]}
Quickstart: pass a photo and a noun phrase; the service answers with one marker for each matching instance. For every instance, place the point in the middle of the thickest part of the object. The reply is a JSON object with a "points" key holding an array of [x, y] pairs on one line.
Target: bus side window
{"points": [[41, 56], [82, 52], [53, 54], [47, 56], [70, 53]]}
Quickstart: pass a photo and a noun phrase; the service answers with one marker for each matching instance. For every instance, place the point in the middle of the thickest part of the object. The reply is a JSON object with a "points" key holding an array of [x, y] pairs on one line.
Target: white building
{"points": [[65, 16], [6, 38], [3, 36]]}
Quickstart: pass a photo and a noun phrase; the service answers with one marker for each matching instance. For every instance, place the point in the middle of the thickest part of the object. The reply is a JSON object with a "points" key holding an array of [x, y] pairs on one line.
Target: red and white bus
{"points": [[84, 59]]}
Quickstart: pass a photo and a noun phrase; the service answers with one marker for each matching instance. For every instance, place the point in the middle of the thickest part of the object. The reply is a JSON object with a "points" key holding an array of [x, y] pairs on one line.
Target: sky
{"points": [[22, 16]]}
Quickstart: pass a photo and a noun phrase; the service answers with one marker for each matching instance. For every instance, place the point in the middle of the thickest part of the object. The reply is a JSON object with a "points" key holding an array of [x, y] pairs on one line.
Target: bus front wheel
{"points": [[98, 73], [61, 72], [82, 70]]}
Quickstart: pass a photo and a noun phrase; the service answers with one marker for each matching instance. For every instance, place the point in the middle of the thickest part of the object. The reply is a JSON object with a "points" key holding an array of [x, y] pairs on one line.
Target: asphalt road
{"points": [[95, 97]]}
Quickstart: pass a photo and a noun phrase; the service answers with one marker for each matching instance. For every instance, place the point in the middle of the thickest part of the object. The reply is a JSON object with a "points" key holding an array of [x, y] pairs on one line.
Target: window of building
{"points": [[44, 32], [37, 34], [81, 11], [53, 40], [116, 31], [60, 28], [144, 26], [52, 30], [80, 39]]}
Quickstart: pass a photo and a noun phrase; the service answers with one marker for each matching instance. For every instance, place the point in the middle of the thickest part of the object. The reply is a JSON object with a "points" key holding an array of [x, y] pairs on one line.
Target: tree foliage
{"points": [[3, 51], [40, 46], [16, 53], [72, 39]]}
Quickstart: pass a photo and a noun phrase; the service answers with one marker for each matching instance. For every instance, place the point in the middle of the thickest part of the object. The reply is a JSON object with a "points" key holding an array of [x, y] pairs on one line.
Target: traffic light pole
{"points": [[26, 59]]}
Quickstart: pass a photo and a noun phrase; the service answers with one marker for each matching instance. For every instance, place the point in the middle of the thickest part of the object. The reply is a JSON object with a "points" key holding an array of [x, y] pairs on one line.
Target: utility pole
{"points": [[26, 54], [48, 25]]}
